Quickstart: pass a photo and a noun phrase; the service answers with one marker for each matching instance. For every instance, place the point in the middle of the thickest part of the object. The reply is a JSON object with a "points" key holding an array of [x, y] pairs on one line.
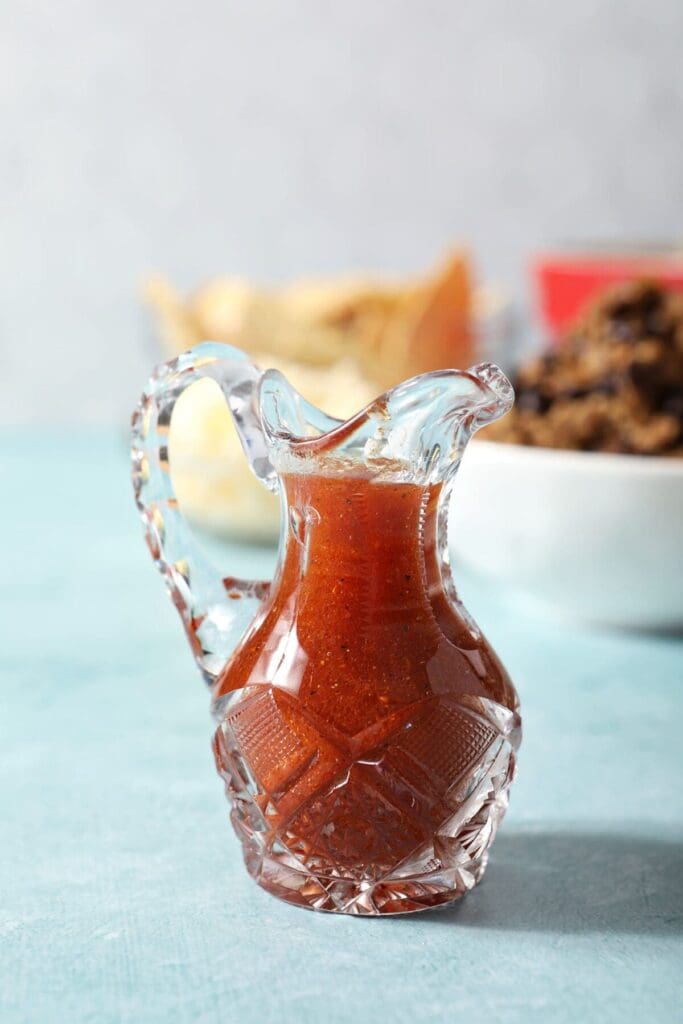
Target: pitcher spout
{"points": [[497, 394], [455, 404], [416, 431], [433, 417]]}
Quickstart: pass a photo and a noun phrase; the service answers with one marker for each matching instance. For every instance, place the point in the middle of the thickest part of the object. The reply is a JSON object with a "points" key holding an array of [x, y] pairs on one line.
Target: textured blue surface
{"points": [[122, 893]]}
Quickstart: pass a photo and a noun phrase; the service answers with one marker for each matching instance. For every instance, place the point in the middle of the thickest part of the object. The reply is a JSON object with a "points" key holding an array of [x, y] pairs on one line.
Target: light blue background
{"points": [[123, 896]]}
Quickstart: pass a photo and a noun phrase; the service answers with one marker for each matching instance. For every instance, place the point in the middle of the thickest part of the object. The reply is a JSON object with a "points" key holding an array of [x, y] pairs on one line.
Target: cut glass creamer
{"points": [[365, 729]]}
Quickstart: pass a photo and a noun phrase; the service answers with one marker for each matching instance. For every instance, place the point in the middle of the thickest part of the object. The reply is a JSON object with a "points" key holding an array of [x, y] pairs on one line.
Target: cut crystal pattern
{"points": [[393, 832], [446, 741], [264, 738]]}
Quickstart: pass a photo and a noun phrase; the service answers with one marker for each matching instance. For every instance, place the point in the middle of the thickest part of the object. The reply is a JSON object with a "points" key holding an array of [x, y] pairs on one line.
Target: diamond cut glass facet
{"points": [[394, 831]]}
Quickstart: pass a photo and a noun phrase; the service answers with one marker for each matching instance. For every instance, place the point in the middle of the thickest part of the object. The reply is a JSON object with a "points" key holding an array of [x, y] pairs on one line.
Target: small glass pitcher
{"points": [[366, 731]]}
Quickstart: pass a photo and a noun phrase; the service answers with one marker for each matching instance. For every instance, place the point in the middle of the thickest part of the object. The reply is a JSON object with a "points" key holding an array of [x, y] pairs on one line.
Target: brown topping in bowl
{"points": [[614, 385]]}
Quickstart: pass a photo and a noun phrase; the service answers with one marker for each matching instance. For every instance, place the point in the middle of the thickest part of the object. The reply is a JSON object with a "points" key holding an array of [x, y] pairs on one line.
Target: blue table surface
{"points": [[122, 893]]}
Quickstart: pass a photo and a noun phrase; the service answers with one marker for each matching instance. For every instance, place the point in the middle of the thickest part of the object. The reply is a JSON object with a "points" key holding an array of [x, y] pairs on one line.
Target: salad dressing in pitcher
{"points": [[366, 731]]}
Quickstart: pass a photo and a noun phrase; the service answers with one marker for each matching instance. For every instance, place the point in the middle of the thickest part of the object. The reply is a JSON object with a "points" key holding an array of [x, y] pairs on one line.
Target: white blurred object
{"points": [[214, 484], [590, 536]]}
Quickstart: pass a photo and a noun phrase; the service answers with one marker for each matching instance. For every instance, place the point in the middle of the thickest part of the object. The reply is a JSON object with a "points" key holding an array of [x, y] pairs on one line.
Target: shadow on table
{"points": [[576, 882]]}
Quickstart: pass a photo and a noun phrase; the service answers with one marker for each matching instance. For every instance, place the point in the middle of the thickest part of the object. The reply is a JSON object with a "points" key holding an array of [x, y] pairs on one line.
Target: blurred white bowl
{"points": [[590, 536]]}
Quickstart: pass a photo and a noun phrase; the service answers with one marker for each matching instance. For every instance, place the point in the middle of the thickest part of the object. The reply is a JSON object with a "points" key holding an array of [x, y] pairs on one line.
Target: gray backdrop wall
{"points": [[279, 138]]}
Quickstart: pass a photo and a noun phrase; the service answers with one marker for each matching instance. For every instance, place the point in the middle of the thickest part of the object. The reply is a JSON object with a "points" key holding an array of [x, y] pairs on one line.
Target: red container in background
{"points": [[566, 281]]}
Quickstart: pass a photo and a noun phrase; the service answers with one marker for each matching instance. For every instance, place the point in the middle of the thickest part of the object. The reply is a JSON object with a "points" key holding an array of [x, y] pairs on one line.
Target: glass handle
{"points": [[215, 611]]}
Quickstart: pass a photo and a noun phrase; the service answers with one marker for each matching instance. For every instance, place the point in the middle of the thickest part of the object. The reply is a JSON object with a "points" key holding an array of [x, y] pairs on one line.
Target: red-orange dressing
{"points": [[355, 636]]}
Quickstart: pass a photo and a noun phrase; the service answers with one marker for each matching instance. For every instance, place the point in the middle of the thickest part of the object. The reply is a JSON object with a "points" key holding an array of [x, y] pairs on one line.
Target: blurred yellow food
{"points": [[339, 341], [391, 330]]}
